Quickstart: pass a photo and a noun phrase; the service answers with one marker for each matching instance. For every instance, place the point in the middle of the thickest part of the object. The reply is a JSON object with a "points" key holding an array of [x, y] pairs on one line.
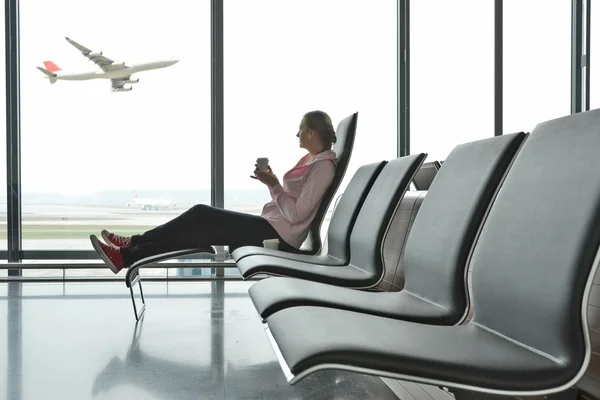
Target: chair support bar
{"points": [[134, 278]]}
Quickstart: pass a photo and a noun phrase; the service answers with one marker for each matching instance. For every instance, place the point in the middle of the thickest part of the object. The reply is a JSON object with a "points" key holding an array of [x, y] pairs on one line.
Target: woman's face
{"points": [[303, 135]]}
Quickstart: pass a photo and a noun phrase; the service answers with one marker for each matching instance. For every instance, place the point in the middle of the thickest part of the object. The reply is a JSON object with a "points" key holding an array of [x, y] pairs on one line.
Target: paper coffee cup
{"points": [[271, 244], [262, 164]]}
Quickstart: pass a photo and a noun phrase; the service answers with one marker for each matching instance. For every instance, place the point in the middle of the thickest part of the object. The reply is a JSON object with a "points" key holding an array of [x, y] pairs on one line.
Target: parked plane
{"points": [[118, 73], [150, 204]]}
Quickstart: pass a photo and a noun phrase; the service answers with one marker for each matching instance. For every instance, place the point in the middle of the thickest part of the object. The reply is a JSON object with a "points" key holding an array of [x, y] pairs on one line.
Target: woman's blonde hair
{"points": [[321, 123]]}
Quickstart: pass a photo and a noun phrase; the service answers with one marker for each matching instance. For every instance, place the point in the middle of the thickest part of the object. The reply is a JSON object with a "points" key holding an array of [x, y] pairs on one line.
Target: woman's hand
{"points": [[266, 177]]}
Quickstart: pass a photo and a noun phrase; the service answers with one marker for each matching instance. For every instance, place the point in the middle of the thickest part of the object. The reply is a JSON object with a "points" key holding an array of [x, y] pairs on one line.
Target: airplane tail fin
{"points": [[49, 75], [50, 66]]}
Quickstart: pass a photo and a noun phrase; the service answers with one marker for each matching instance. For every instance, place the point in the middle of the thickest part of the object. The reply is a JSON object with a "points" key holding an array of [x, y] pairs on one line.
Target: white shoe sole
{"points": [[102, 254], [104, 233]]}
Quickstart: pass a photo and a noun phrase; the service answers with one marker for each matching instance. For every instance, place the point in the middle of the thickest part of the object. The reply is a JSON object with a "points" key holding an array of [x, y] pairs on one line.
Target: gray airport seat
{"points": [[365, 267], [345, 134], [437, 249], [533, 267], [341, 224]]}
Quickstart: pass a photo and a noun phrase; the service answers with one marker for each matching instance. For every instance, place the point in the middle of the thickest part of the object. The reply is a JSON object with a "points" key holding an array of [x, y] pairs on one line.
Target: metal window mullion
{"points": [[577, 60], [217, 125], [588, 25], [13, 135], [403, 67], [498, 67], [217, 114]]}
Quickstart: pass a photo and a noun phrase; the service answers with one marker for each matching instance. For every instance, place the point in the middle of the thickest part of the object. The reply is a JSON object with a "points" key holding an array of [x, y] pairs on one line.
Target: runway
{"points": [[67, 227]]}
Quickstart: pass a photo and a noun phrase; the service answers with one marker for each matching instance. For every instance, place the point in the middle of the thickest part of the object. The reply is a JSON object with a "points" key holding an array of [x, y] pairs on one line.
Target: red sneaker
{"points": [[117, 240], [110, 254]]}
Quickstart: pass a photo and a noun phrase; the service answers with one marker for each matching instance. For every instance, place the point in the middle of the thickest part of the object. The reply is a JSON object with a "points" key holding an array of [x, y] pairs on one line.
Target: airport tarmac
{"points": [[67, 227]]}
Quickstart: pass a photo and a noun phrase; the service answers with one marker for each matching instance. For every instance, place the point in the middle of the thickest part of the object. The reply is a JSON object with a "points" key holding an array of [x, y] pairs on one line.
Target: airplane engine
{"points": [[98, 54], [132, 80]]}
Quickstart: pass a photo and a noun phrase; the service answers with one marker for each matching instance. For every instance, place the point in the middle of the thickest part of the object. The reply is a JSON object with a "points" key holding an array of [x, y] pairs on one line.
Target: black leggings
{"points": [[203, 226]]}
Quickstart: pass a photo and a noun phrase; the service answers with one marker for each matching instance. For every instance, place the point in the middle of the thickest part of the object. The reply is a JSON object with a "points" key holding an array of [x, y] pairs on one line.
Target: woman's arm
{"points": [[273, 195], [317, 182]]}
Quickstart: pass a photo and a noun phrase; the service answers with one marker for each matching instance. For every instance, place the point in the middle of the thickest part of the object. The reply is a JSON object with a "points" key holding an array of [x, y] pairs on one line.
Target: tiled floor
{"points": [[196, 341]]}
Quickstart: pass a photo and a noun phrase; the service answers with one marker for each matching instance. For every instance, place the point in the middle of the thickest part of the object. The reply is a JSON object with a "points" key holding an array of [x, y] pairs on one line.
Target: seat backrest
{"points": [[345, 134], [374, 217], [395, 240], [426, 174], [346, 212], [537, 254], [442, 237]]}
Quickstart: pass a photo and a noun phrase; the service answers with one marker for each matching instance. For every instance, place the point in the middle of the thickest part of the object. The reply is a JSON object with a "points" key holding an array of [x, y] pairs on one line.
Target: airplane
{"points": [[118, 73], [150, 204]]}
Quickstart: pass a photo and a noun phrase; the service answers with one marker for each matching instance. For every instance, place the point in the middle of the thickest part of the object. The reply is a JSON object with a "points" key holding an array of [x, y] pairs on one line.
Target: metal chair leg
{"points": [[137, 280]]}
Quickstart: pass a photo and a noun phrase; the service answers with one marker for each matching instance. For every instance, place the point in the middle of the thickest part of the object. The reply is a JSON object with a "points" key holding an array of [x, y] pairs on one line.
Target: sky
{"points": [[282, 59], [452, 69]]}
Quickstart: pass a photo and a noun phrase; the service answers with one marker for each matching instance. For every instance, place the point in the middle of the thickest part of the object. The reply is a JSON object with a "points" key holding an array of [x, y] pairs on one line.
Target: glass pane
{"points": [[537, 62], [295, 56], [94, 158], [451, 74]]}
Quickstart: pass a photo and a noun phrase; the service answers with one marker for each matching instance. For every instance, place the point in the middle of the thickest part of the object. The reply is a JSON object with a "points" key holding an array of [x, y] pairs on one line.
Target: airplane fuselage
{"points": [[122, 73]]}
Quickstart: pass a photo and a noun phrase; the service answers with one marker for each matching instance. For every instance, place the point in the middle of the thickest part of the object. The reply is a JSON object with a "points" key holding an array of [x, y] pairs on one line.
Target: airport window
{"points": [[297, 56], [595, 55], [451, 74], [537, 62], [96, 154]]}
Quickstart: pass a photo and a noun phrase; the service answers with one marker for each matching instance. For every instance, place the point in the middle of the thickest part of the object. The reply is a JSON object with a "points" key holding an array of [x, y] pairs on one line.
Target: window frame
{"points": [[580, 57]]}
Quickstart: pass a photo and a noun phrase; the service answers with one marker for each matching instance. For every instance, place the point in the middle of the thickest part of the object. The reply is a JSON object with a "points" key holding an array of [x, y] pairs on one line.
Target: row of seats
{"points": [[522, 211], [355, 234]]}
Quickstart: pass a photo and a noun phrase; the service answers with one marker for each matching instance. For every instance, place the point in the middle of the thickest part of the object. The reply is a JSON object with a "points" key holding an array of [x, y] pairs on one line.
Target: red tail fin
{"points": [[50, 66]]}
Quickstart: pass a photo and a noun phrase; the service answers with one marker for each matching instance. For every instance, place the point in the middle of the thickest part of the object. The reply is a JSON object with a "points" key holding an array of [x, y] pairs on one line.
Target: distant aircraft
{"points": [[118, 73], [150, 204]]}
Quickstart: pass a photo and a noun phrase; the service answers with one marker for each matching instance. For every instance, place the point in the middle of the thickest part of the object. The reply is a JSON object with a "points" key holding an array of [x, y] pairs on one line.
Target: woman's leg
{"points": [[185, 223], [202, 226]]}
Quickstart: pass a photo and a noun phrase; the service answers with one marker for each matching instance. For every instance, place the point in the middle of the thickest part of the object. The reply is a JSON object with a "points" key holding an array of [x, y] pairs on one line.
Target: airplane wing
{"points": [[103, 62]]}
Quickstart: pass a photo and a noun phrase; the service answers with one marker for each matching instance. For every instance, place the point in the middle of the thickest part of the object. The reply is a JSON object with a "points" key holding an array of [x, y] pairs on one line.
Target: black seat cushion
{"points": [[272, 254], [467, 354], [274, 294], [338, 274]]}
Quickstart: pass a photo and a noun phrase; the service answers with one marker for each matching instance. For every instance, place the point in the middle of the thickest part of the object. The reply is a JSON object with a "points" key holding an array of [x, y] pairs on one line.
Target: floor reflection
{"points": [[178, 350]]}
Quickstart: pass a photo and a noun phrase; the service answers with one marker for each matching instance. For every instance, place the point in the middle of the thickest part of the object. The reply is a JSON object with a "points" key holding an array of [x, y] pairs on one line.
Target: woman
{"points": [[286, 217]]}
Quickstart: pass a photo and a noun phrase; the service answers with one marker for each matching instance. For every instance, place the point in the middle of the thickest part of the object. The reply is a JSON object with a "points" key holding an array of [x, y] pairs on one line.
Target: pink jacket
{"points": [[294, 205]]}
